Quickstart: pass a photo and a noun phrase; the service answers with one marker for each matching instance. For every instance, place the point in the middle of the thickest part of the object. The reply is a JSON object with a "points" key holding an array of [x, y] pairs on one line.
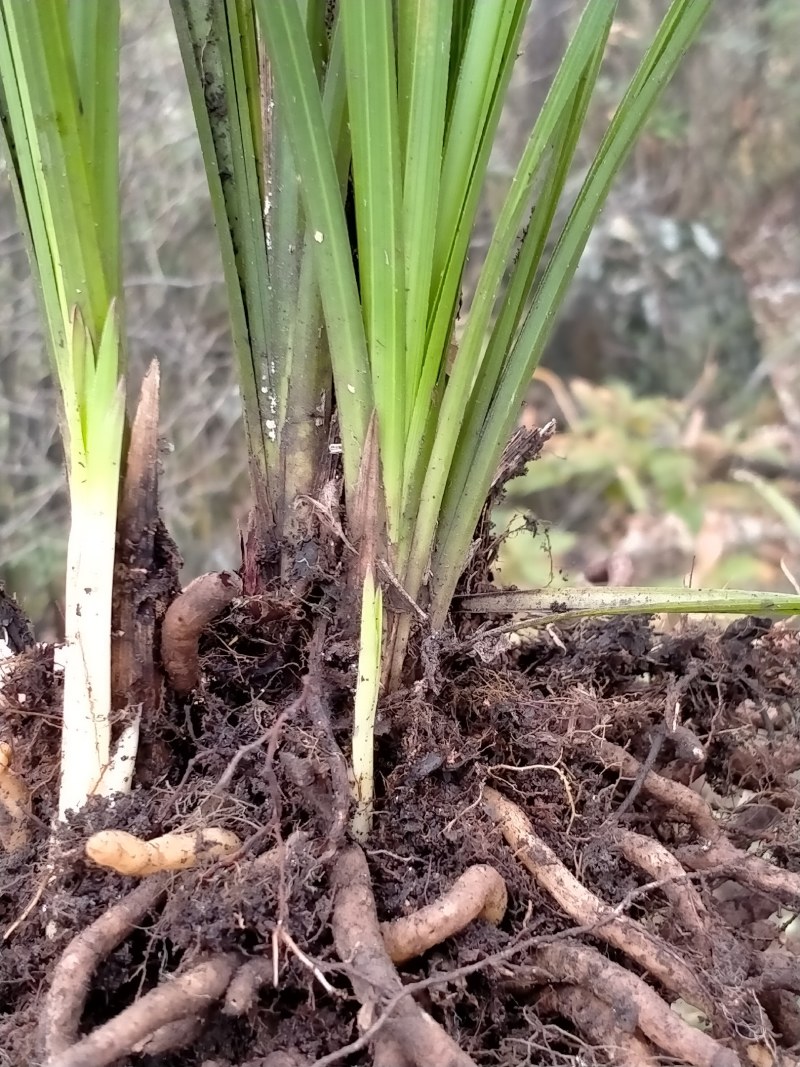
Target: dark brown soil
{"points": [[525, 723]]}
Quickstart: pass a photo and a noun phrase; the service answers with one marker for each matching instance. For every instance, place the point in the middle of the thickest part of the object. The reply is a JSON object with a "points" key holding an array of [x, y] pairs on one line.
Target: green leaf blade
{"points": [[299, 97], [678, 29], [584, 48], [423, 46], [374, 132]]}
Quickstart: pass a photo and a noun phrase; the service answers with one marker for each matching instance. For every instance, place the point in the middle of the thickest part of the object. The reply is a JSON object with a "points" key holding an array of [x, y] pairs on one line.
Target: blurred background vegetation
{"points": [[672, 374]]}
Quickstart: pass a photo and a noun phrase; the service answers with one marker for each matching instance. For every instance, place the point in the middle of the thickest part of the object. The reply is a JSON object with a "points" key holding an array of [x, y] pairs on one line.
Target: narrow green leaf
{"points": [[485, 107], [462, 15], [423, 44], [50, 138], [28, 194], [570, 95], [220, 59], [374, 134], [61, 153], [306, 403], [492, 30], [298, 96], [676, 32]]}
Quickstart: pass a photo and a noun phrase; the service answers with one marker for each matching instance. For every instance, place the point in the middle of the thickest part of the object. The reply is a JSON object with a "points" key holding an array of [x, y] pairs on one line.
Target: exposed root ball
{"points": [[409, 1035], [127, 854], [597, 1022], [186, 618], [15, 799], [634, 1000], [623, 933], [480, 893]]}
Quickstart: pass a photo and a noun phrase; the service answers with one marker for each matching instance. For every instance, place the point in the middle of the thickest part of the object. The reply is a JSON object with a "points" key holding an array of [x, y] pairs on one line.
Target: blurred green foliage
{"points": [[645, 481]]}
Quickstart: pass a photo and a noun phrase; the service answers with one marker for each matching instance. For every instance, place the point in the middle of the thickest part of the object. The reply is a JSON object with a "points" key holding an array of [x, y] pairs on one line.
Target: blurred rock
{"points": [[658, 304]]}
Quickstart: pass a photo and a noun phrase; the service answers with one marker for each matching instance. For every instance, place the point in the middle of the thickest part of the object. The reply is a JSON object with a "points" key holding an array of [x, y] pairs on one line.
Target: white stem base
{"points": [[366, 704], [86, 732]]}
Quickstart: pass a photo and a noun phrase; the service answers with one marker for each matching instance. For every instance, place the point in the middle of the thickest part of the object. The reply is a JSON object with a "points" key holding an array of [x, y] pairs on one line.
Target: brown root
{"points": [[753, 871], [186, 618], [318, 711], [127, 854], [184, 996], [407, 1036], [672, 794], [716, 851], [651, 857], [65, 999], [633, 1000], [584, 907], [480, 893], [596, 1021]]}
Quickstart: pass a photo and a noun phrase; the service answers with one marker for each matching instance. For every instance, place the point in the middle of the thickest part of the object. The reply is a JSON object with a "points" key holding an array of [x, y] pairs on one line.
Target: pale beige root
{"points": [[408, 1033], [624, 933], [651, 857], [717, 850], [672, 794], [185, 995], [479, 893], [633, 1000], [187, 616], [15, 798], [127, 854], [63, 1004], [596, 1021]]}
